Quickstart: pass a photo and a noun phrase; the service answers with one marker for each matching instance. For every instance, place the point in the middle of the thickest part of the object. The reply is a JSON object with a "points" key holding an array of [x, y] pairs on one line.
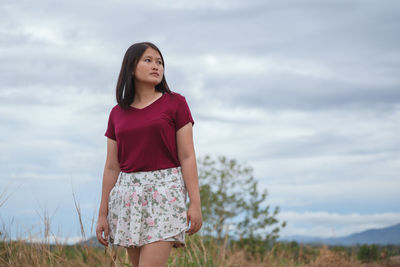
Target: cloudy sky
{"points": [[306, 92]]}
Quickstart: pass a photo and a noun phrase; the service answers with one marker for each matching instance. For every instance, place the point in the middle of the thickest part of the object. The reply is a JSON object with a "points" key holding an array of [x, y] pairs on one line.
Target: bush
{"points": [[368, 253]]}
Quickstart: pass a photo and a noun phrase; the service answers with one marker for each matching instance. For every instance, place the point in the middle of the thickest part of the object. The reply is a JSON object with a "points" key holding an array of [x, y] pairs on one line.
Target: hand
{"points": [[102, 226], [195, 218]]}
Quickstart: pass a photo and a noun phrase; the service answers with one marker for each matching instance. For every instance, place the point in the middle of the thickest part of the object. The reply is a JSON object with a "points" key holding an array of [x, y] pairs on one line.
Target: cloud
{"points": [[305, 92], [327, 224], [52, 239]]}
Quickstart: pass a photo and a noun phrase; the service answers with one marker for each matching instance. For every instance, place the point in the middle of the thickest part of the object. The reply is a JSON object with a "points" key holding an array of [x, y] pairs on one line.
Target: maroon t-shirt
{"points": [[146, 138]]}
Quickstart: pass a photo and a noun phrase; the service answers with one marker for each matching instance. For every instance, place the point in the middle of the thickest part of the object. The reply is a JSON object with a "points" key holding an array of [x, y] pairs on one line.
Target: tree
{"points": [[368, 253], [230, 196]]}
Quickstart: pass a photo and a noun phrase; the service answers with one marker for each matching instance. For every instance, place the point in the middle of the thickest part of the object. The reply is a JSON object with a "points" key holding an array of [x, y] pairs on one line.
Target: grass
{"points": [[200, 250]]}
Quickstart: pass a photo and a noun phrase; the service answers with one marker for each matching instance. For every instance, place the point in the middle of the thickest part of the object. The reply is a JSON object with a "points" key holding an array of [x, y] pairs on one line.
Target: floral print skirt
{"points": [[148, 206]]}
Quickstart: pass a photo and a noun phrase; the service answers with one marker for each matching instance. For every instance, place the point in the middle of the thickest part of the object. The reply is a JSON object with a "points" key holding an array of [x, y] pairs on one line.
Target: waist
{"points": [[156, 177]]}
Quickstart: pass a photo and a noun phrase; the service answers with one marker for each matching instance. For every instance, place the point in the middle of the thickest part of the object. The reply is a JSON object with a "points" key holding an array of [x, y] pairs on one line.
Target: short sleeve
{"points": [[110, 132], [183, 114]]}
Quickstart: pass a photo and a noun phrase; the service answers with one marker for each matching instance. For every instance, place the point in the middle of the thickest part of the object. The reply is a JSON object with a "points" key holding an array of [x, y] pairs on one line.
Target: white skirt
{"points": [[148, 206]]}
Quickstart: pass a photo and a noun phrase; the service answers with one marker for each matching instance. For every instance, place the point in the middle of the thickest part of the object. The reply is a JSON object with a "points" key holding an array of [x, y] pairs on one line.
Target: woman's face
{"points": [[149, 69]]}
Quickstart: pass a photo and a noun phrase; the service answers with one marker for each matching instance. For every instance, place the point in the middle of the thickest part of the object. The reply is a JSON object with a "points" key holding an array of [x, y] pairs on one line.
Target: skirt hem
{"points": [[177, 243]]}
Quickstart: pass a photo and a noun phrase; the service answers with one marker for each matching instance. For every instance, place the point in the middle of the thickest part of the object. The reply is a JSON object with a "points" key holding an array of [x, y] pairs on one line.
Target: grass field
{"points": [[199, 251]]}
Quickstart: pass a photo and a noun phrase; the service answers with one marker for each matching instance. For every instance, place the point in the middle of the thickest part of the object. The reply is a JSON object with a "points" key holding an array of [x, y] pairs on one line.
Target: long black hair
{"points": [[125, 91]]}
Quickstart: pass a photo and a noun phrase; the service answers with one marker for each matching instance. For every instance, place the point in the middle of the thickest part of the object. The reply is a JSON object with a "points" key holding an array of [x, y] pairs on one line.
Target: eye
{"points": [[147, 59], [159, 62]]}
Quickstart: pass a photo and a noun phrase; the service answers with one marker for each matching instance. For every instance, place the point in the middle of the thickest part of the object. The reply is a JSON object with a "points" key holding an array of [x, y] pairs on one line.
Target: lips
{"points": [[154, 73]]}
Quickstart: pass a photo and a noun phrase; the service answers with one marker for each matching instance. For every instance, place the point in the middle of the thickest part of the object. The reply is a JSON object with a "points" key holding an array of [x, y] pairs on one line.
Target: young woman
{"points": [[151, 164]]}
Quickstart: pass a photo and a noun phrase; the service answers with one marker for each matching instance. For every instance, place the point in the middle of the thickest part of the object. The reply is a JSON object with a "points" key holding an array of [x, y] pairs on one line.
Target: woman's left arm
{"points": [[187, 158]]}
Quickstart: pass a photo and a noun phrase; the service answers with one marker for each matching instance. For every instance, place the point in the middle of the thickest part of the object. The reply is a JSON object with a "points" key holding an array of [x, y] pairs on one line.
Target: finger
{"points": [[198, 225], [191, 230], [99, 237], [106, 233], [99, 234], [106, 238], [102, 241], [105, 242], [196, 228]]}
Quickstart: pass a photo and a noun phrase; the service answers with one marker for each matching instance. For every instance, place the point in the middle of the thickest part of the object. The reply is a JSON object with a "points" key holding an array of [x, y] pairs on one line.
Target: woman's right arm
{"points": [[110, 176]]}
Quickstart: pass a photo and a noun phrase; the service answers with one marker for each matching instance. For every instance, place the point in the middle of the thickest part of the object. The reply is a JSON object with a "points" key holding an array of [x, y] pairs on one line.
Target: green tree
{"points": [[229, 190], [368, 253]]}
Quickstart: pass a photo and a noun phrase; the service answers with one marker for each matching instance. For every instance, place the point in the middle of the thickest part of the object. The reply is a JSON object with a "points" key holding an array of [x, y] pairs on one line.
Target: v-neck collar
{"points": [[152, 103]]}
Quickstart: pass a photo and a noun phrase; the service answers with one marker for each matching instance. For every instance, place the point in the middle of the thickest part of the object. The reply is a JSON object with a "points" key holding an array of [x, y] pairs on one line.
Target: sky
{"points": [[305, 92]]}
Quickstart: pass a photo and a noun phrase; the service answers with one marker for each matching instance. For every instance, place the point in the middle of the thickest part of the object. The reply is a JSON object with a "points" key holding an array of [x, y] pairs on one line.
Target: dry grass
{"points": [[199, 251], [328, 258]]}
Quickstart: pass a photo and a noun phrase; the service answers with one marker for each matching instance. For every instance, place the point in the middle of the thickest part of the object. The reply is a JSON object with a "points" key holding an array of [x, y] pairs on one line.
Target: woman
{"points": [[150, 165]]}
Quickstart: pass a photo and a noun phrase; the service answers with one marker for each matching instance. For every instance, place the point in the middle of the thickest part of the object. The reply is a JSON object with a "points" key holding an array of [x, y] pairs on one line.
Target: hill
{"points": [[382, 236]]}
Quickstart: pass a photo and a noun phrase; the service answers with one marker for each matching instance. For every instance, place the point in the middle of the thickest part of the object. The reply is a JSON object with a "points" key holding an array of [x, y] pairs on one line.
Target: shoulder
{"points": [[115, 109], [177, 97], [176, 94]]}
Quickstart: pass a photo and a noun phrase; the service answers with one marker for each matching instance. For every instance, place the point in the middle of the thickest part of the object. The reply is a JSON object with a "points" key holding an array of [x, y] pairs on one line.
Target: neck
{"points": [[144, 92]]}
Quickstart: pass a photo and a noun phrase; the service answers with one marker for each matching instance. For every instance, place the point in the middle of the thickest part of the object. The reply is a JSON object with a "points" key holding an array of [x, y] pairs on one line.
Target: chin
{"points": [[150, 81], [155, 83]]}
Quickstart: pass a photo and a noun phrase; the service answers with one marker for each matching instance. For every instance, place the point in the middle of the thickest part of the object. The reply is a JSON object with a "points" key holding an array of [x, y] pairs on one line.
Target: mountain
{"points": [[91, 242], [382, 236]]}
